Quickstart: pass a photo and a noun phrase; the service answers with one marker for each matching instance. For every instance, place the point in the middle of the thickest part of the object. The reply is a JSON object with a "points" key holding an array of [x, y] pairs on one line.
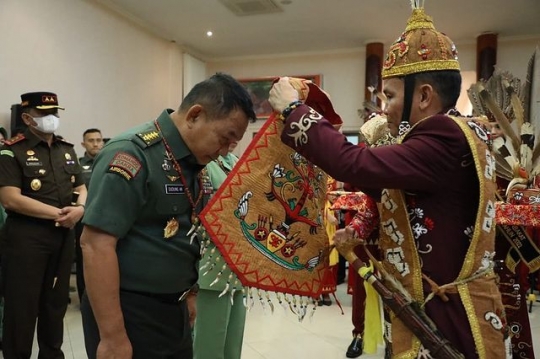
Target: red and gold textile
{"points": [[267, 217], [517, 214]]}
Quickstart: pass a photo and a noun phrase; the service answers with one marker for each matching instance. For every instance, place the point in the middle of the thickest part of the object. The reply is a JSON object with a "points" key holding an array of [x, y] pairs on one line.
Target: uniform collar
{"points": [[172, 135], [34, 140]]}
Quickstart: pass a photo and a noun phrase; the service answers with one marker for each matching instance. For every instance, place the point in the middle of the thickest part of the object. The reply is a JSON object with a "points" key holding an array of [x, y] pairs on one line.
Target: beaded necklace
{"points": [[178, 169]]}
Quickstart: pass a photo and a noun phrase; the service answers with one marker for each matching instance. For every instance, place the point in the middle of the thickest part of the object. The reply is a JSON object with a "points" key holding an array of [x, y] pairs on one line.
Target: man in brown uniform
{"points": [[435, 188], [38, 177]]}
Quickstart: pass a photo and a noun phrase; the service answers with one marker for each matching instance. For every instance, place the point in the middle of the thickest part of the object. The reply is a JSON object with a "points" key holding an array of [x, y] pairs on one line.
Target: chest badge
{"points": [[42, 171], [171, 228], [166, 166], [172, 178], [68, 156], [72, 179], [35, 184], [30, 153]]}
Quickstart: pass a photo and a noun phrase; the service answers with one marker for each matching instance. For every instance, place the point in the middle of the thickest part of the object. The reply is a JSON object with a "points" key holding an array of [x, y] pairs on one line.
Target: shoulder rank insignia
{"points": [[150, 137], [15, 139]]}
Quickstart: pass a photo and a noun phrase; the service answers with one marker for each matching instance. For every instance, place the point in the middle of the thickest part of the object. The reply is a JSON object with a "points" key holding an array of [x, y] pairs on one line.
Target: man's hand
{"points": [[345, 240], [69, 216], [282, 94], [117, 348], [191, 302]]}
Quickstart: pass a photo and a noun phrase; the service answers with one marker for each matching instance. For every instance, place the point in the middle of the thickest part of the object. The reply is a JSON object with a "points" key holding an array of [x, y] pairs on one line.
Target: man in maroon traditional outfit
{"points": [[436, 190]]}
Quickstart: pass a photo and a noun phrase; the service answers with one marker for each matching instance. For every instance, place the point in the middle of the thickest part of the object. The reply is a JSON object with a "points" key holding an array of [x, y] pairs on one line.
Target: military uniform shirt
{"points": [[86, 163], [47, 174], [134, 192]]}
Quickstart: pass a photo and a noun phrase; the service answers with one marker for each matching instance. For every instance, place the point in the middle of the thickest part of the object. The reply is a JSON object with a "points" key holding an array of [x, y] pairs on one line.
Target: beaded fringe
{"points": [[296, 304]]}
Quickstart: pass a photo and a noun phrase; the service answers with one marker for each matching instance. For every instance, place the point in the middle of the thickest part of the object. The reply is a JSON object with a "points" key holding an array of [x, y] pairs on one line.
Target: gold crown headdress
{"points": [[420, 48]]}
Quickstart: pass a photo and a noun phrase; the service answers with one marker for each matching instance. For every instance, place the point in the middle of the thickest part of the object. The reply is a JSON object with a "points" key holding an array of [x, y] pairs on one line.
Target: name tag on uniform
{"points": [[30, 164], [174, 189]]}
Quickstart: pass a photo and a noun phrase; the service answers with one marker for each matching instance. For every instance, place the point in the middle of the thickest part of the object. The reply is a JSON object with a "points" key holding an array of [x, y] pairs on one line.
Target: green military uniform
{"points": [[87, 163], [135, 191], [35, 251], [219, 326]]}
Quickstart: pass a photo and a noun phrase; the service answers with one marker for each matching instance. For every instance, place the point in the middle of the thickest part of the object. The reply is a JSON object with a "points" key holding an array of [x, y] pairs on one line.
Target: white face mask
{"points": [[47, 124]]}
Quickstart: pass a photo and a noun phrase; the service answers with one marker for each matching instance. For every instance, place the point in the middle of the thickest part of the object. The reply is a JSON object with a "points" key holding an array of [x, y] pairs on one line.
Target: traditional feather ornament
{"points": [[503, 99], [499, 116]]}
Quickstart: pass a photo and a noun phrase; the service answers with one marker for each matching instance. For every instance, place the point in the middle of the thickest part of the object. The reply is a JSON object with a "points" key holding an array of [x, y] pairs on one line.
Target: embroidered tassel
{"points": [[227, 285], [212, 266], [261, 300], [210, 256], [204, 246], [193, 236], [219, 274], [281, 302], [288, 300], [295, 307], [315, 305], [193, 229], [234, 289], [244, 297], [251, 300], [269, 301]]}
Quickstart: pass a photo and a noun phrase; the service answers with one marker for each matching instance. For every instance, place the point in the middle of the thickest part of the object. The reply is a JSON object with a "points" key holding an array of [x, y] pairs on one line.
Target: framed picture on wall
{"points": [[259, 89]]}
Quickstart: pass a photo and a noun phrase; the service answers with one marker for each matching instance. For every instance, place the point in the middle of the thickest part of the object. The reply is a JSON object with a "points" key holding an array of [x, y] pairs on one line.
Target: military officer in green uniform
{"points": [[92, 143], [38, 177], [140, 259]]}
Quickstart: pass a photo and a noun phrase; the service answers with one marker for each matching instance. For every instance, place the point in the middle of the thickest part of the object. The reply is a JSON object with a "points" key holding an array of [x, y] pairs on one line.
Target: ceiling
{"points": [[318, 25]]}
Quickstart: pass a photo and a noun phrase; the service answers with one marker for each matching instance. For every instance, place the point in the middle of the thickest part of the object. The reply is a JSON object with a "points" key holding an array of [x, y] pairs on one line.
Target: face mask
{"points": [[47, 124]]}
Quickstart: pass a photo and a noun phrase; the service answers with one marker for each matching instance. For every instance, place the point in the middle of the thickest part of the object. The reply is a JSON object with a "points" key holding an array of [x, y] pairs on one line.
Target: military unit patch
{"points": [[125, 165], [7, 153]]}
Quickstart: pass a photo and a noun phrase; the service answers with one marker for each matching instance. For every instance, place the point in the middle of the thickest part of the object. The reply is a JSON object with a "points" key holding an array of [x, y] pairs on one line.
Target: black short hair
{"points": [[91, 130], [219, 95], [447, 84]]}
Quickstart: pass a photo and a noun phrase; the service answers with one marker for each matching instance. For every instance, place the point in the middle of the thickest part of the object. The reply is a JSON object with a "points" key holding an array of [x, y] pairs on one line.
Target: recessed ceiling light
{"points": [[209, 33]]}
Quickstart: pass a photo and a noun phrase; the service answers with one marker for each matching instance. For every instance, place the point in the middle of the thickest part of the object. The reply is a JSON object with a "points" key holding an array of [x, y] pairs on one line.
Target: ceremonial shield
{"points": [[267, 217]]}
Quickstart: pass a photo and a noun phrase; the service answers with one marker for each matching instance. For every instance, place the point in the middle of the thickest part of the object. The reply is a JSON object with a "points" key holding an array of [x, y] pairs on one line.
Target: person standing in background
{"points": [[221, 314], [38, 177], [92, 143]]}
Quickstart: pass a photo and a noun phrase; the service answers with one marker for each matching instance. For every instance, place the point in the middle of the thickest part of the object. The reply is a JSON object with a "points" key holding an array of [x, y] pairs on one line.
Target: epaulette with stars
{"points": [[14, 140], [149, 138]]}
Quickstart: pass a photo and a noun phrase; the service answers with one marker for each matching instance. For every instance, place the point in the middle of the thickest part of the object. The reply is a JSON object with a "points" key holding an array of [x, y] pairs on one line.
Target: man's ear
{"points": [[27, 119], [426, 94], [193, 113]]}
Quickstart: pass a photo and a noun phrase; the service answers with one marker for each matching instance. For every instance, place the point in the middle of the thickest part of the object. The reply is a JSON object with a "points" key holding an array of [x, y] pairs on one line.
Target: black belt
{"points": [[167, 298]]}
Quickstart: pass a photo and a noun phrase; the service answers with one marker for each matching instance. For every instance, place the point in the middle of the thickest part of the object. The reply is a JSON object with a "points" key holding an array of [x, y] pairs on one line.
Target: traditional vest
{"points": [[479, 296]]}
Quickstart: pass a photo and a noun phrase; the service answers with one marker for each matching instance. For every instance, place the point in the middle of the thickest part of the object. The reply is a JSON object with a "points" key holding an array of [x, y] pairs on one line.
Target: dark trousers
{"points": [[79, 268], [35, 253], [155, 329]]}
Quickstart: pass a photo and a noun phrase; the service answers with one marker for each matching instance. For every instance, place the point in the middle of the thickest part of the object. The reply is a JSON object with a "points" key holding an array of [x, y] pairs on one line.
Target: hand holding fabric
{"points": [[282, 94]]}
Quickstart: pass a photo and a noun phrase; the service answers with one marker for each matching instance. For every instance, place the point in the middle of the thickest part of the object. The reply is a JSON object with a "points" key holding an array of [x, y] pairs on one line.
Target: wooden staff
{"points": [[406, 309]]}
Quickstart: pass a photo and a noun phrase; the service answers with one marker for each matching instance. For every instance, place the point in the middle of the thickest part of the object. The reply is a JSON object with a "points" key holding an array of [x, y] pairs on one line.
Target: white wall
{"points": [[107, 72]]}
